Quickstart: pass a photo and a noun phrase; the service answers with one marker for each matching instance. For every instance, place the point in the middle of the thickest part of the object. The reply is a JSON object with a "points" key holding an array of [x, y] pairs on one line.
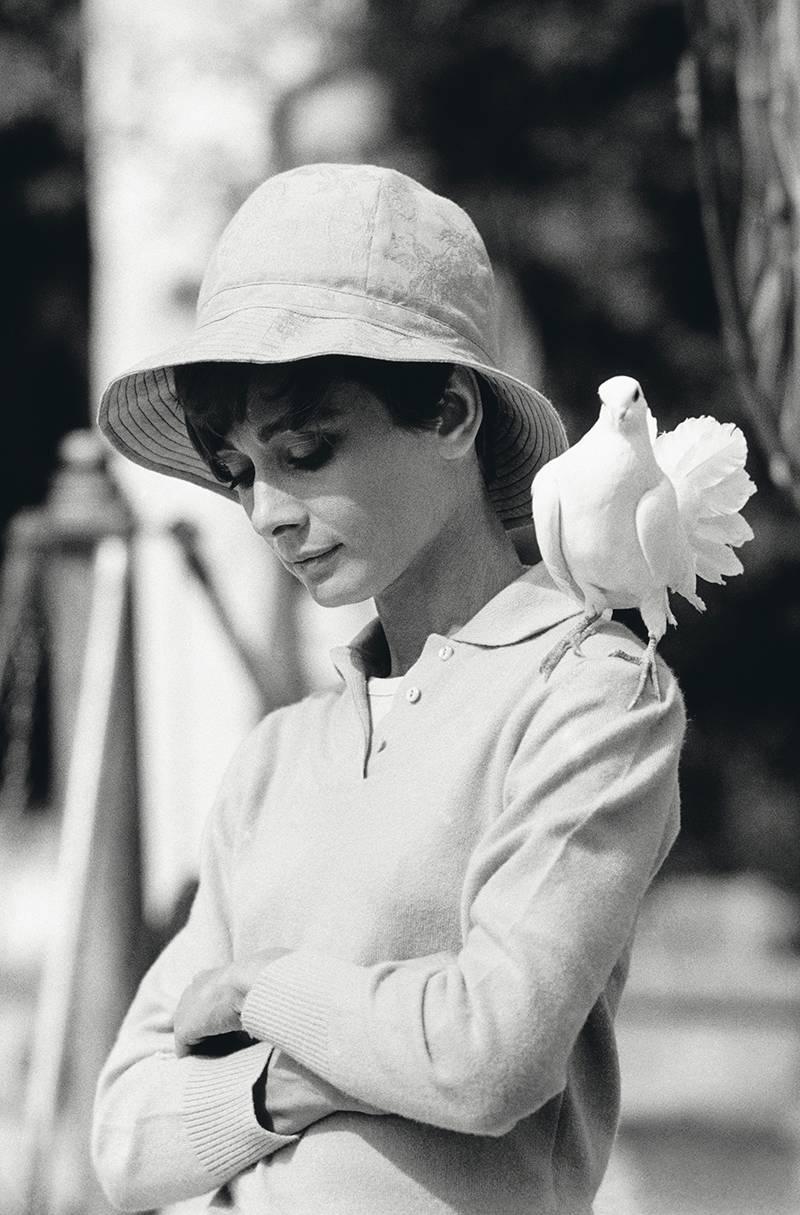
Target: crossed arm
{"points": [[187, 1100]]}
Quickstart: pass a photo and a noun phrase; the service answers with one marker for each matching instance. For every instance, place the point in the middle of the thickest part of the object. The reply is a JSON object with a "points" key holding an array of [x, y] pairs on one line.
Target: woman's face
{"points": [[350, 504]]}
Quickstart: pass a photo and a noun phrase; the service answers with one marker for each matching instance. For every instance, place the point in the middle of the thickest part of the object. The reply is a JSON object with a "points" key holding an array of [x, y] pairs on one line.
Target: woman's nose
{"points": [[273, 510]]}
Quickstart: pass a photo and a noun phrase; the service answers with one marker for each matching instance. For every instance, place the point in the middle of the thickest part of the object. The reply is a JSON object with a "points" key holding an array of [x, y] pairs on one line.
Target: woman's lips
{"points": [[314, 559]]}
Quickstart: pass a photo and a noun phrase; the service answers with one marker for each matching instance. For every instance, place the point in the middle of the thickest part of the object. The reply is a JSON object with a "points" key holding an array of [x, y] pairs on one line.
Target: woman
{"points": [[396, 989]]}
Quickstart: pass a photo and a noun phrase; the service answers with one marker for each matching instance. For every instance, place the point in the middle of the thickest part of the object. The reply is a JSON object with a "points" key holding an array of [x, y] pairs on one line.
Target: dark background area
{"points": [[43, 242], [558, 128]]}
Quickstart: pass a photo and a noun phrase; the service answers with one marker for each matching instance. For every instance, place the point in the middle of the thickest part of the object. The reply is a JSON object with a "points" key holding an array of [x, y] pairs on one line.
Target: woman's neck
{"points": [[471, 561]]}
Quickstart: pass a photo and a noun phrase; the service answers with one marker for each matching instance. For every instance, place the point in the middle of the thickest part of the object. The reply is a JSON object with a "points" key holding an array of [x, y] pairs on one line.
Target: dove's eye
{"points": [[636, 394]]}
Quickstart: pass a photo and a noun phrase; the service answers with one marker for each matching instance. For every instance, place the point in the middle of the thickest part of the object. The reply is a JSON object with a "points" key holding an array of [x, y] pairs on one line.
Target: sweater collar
{"points": [[529, 605]]}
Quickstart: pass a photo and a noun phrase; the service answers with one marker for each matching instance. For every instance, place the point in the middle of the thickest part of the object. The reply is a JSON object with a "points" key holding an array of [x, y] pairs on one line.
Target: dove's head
{"points": [[624, 405]]}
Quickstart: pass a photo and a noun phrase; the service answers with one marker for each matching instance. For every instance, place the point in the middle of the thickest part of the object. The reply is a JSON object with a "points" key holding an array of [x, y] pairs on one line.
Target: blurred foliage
{"points": [[43, 241], [557, 126]]}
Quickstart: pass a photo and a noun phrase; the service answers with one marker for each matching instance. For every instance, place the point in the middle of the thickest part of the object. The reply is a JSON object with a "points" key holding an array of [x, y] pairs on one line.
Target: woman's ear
{"points": [[461, 414]]}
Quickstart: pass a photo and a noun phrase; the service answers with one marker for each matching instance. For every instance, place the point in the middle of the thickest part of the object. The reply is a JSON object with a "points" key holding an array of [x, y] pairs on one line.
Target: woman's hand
{"points": [[212, 1003], [210, 1006]]}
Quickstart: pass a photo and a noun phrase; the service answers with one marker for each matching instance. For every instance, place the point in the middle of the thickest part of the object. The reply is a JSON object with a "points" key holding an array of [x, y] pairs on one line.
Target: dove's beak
{"points": [[618, 410]]}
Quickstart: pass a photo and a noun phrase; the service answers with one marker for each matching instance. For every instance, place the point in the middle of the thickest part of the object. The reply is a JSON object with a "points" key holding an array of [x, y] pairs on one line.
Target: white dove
{"points": [[623, 516]]}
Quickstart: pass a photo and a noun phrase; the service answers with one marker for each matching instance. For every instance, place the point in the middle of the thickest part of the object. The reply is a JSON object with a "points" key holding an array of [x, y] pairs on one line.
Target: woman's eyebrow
{"points": [[268, 430]]}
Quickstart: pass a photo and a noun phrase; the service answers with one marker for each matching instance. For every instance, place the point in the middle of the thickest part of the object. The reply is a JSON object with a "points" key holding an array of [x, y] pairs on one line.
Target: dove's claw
{"points": [[637, 662], [572, 641], [553, 657], [649, 670]]}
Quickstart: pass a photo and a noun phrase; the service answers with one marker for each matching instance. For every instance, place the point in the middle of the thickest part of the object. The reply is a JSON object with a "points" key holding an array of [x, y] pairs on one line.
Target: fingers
{"points": [[211, 1005], [208, 1008]]}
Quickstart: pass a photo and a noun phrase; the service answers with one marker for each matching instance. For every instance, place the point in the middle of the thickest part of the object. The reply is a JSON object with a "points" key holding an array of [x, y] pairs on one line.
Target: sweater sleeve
{"points": [[167, 1128], [476, 1041]]}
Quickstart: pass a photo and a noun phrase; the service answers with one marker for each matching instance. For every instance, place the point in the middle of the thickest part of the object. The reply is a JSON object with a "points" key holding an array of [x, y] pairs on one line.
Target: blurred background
{"points": [[634, 168]]}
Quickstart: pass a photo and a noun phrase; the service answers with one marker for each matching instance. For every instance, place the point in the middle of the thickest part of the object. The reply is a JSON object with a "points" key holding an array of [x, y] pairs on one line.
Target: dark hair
{"points": [[214, 397]]}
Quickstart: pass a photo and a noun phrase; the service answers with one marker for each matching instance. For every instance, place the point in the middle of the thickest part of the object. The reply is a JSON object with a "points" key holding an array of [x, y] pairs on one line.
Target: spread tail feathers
{"points": [[704, 459]]}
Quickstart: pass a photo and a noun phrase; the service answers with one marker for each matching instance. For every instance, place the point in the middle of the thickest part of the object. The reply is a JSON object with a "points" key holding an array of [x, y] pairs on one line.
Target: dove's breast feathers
{"points": [[585, 506]]}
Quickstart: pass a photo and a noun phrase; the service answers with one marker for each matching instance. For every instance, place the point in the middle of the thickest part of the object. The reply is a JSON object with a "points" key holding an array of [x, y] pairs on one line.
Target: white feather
{"points": [[715, 561], [729, 529], [652, 425], [704, 459], [701, 448]]}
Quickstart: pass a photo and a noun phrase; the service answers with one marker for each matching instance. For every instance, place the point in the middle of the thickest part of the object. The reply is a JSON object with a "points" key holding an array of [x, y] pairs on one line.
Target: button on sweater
{"points": [[457, 907]]}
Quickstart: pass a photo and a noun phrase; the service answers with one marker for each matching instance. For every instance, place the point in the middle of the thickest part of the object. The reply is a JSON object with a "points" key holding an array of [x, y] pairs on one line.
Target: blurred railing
{"points": [[72, 563]]}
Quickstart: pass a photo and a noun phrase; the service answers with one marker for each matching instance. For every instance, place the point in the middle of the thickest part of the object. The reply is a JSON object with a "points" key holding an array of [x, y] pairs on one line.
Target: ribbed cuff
{"points": [[218, 1111], [291, 1003]]}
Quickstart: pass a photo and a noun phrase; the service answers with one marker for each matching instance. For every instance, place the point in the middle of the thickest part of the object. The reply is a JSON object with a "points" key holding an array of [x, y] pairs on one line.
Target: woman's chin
{"points": [[336, 588], [331, 595]]}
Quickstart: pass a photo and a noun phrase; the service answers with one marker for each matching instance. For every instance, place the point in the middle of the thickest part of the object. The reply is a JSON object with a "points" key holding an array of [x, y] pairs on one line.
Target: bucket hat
{"points": [[350, 260]]}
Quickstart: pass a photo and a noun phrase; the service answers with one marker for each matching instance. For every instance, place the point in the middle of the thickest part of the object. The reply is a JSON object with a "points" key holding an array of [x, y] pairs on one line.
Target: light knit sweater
{"points": [[458, 896]]}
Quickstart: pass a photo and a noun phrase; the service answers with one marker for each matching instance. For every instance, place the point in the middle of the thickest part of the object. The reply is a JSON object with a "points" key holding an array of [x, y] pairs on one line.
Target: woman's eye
{"points": [[311, 454], [231, 474]]}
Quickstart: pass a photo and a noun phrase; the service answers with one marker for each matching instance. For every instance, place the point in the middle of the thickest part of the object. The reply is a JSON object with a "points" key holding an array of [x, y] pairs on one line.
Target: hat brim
{"points": [[141, 415]]}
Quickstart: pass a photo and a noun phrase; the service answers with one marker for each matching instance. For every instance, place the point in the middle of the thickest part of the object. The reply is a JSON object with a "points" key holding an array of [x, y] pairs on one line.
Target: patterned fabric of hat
{"points": [[340, 259]]}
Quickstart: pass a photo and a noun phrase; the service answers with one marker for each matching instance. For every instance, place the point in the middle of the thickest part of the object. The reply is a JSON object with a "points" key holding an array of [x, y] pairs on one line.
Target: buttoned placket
{"points": [[436, 652], [422, 678]]}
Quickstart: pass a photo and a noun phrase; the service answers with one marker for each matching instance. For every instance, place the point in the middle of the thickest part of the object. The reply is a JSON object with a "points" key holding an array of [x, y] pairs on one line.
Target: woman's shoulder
{"points": [[602, 679]]}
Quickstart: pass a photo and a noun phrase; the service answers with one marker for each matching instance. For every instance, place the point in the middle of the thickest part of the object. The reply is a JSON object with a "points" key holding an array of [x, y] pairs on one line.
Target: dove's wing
{"points": [[547, 518], [662, 540]]}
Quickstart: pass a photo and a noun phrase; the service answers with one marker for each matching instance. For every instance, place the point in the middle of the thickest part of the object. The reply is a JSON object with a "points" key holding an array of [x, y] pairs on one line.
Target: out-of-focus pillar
{"points": [[180, 98], [170, 149]]}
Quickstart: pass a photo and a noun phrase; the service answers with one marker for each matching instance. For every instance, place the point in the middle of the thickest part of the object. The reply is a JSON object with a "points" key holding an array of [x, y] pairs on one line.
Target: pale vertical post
{"points": [[82, 505], [113, 942]]}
